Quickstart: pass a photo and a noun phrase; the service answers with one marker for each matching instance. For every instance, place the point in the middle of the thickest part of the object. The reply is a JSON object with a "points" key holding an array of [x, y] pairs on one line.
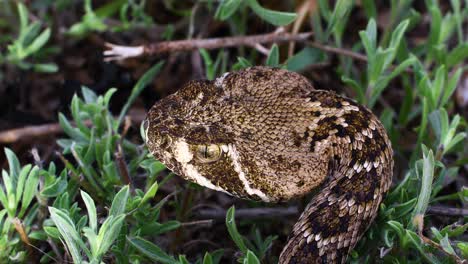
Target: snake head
{"points": [[240, 134], [185, 132]]}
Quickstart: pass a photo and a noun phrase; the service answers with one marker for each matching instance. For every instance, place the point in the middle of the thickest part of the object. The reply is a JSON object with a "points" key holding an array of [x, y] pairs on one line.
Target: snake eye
{"points": [[208, 153]]}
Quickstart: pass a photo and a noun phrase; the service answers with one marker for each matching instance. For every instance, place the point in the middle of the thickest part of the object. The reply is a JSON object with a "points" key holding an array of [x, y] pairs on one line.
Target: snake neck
{"points": [[336, 218], [359, 175]]}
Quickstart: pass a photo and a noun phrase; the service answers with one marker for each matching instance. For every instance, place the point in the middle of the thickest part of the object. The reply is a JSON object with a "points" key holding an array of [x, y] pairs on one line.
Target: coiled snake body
{"points": [[267, 134]]}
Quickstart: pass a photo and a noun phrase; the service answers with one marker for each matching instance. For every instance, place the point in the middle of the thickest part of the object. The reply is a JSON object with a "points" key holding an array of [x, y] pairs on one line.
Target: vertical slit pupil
{"points": [[205, 152]]}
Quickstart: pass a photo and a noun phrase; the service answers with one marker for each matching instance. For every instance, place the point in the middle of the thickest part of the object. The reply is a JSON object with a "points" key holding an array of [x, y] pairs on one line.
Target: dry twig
{"points": [[117, 52], [250, 213], [47, 130], [447, 211]]}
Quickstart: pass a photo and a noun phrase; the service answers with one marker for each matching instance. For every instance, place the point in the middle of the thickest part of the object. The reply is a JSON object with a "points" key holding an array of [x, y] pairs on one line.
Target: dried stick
{"points": [[205, 222], [47, 130], [17, 134], [340, 51], [447, 211], [117, 52], [250, 213]]}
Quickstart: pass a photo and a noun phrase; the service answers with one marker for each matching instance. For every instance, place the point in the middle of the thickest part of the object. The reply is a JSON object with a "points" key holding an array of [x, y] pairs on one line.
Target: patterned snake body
{"points": [[267, 134]]}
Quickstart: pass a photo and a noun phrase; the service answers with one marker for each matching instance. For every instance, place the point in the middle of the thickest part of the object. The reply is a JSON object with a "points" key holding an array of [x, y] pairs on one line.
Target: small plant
{"points": [[19, 188], [131, 14], [29, 43], [227, 8], [99, 240]]}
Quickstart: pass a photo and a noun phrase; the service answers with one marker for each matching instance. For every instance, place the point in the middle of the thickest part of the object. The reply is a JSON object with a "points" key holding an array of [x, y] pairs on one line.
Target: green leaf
{"points": [[119, 202], [250, 258], [241, 64], [454, 230], [108, 232], [369, 8], [438, 83], [437, 122], [455, 140], [92, 240], [457, 55], [89, 95], [447, 28], [398, 34], [436, 23], [304, 58], [397, 227], [14, 165], [76, 114], [377, 65], [317, 27], [383, 81], [463, 246], [183, 260], [356, 87], [45, 67], [416, 241], [68, 231], [232, 229], [28, 36], [72, 132], [227, 8], [151, 250], [91, 207], [57, 187], [450, 87], [369, 38], [21, 181], [10, 196], [273, 17], [153, 166], [38, 42], [207, 259], [156, 228], [150, 193], [209, 65], [445, 243], [108, 95], [23, 16], [3, 198], [404, 208], [30, 189], [52, 232], [426, 182], [395, 43], [138, 88], [273, 57], [342, 7]]}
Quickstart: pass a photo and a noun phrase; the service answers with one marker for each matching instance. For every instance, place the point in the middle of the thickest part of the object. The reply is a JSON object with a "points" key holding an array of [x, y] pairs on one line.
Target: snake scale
{"points": [[266, 134]]}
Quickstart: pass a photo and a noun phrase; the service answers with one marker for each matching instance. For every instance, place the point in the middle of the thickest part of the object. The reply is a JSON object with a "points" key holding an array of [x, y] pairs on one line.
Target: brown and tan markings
{"points": [[267, 134]]}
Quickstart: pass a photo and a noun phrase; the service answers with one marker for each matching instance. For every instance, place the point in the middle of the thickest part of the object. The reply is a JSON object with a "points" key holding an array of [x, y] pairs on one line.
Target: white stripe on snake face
{"points": [[182, 152], [234, 155], [146, 128]]}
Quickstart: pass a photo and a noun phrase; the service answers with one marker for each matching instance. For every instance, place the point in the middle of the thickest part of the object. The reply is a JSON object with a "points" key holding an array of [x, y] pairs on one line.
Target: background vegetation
{"points": [[85, 189]]}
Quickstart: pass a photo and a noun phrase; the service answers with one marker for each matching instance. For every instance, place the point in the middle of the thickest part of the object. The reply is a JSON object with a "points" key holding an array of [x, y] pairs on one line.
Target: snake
{"points": [[267, 134]]}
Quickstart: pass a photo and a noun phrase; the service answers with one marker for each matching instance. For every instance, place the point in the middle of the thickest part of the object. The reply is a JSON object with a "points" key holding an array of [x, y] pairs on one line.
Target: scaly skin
{"points": [[274, 138]]}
